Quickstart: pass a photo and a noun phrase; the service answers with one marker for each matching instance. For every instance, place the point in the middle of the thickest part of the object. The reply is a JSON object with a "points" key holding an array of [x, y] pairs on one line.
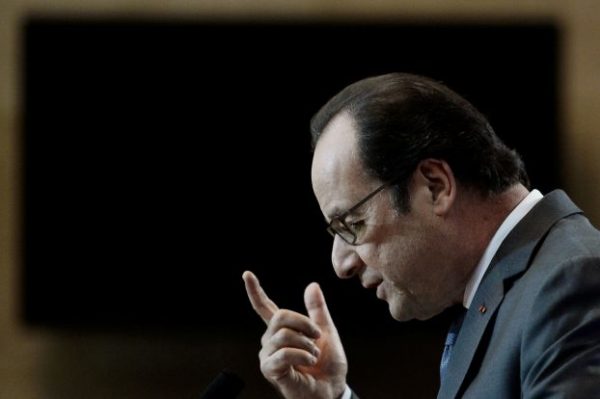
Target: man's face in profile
{"points": [[400, 255]]}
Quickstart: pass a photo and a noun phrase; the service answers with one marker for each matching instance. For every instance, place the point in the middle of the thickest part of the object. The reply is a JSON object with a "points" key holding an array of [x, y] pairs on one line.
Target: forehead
{"points": [[338, 176]]}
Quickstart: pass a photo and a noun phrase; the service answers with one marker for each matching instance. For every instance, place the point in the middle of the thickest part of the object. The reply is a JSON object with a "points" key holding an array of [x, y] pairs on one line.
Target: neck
{"points": [[497, 208], [480, 217]]}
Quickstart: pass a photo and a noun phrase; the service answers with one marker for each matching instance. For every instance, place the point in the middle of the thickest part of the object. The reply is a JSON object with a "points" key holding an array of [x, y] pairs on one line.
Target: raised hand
{"points": [[302, 356]]}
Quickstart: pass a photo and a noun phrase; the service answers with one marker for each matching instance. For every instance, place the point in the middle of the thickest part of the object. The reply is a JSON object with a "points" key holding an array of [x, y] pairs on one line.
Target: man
{"points": [[429, 208]]}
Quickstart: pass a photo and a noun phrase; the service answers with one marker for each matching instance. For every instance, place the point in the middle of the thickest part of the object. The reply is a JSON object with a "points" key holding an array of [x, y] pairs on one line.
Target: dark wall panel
{"points": [[162, 159]]}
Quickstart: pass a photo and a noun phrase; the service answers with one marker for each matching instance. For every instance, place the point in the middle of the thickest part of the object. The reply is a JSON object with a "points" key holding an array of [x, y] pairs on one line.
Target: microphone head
{"points": [[226, 385]]}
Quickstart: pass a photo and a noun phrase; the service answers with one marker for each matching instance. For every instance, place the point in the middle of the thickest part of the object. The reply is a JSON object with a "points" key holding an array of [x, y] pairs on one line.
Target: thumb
{"points": [[317, 307]]}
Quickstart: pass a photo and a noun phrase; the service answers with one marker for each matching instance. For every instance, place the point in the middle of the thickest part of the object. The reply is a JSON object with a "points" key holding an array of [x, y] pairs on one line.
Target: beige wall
{"points": [[24, 355]]}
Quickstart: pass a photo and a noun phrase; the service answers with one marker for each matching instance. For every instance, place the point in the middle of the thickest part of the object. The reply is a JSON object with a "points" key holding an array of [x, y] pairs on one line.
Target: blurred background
{"points": [[153, 151]]}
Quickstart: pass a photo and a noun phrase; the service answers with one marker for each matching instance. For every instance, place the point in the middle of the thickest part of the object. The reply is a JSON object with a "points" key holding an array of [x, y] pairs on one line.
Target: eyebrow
{"points": [[330, 216], [334, 213]]}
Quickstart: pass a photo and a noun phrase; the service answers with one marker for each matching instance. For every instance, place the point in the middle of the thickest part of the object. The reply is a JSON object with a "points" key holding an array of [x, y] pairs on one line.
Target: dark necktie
{"points": [[450, 340]]}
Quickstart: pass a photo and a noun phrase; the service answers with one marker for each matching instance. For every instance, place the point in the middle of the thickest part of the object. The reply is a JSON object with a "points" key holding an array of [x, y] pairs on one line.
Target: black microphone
{"points": [[226, 385]]}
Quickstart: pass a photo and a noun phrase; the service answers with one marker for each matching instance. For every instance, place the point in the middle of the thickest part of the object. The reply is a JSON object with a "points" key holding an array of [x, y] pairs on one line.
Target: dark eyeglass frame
{"points": [[338, 223]]}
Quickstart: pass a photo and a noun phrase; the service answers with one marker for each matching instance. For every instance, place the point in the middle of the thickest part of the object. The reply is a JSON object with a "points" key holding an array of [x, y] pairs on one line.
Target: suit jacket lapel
{"points": [[511, 259]]}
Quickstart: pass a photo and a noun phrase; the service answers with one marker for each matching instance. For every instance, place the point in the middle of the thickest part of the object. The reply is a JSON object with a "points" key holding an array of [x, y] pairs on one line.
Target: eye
{"points": [[356, 225]]}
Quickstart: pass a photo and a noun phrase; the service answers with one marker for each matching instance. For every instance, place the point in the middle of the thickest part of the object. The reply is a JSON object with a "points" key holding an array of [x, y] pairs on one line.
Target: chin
{"points": [[400, 312], [401, 317], [405, 312]]}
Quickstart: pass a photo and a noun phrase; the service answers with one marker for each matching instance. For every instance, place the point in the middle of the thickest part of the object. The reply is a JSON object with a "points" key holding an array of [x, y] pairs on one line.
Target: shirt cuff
{"points": [[347, 393]]}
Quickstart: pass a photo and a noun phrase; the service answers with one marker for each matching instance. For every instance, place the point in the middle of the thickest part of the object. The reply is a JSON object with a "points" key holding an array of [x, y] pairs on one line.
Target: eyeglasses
{"points": [[338, 225]]}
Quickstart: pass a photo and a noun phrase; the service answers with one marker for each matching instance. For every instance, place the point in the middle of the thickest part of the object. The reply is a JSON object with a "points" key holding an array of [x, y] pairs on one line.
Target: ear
{"points": [[439, 179]]}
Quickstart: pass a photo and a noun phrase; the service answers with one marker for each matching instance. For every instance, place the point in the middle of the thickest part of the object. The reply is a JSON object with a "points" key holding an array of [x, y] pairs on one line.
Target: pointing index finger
{"points": [[261, 303]]}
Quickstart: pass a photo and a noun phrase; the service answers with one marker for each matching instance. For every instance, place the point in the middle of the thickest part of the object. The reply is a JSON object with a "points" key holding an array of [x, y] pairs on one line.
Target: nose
{"points": [[346, 261]]}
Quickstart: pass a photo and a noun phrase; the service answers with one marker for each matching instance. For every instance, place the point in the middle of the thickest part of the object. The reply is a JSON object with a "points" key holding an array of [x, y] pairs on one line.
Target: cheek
{"points": [[406, 262], [400, 262], [403, 252], [390, 259]]}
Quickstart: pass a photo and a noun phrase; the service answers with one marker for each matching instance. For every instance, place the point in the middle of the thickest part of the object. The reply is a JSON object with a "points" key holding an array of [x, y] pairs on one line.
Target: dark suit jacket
{"points": [[533, 329]]}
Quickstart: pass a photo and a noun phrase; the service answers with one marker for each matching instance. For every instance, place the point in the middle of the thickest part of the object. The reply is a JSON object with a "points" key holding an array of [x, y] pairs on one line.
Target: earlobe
{"points": [[441, 184]]}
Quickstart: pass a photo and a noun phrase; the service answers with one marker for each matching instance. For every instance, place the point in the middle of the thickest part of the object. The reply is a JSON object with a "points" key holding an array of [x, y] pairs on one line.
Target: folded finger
{"points": [[277, 364], [286, 338], [284, 318]]}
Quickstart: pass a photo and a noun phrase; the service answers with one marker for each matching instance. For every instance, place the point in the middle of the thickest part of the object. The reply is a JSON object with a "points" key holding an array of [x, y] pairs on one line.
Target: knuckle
{"points": [[282, 337], [262, 356], [271, 366], [266, 337], [284, 356], [264, 369], [280, 316]]}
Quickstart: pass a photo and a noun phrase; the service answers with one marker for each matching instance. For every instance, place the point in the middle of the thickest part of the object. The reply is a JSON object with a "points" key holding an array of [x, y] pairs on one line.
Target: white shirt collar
{"points": [[506, 227]]}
